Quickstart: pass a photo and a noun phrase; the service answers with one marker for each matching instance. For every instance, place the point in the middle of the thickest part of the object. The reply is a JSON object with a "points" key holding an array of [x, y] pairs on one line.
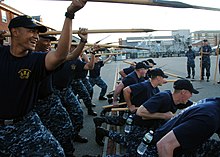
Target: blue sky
{"points": [[112, 16]]}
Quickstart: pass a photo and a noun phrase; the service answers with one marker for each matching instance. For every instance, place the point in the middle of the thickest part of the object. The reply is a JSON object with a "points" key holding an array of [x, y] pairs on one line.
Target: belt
{"points": [[10, 121]]}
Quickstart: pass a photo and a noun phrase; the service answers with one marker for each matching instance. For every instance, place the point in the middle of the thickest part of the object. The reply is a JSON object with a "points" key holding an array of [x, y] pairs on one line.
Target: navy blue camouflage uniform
{"points": [[95, 78], [21, 130], [54, 116], [130, 79], [161, 102], [140, 92], [88, 85], [206, 64], [62, 82], [195, 140], [190, 54], [28, 137], [85, 80], [78, 86]]}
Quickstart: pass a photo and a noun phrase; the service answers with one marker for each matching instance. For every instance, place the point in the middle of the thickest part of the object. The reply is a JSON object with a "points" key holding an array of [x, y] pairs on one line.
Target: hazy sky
{"points": [[96, 15]]}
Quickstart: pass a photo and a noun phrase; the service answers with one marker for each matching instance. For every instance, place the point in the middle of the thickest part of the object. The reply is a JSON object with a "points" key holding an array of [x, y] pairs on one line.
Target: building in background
{"points": [[213, 36], [174, 45], [7, 13]]}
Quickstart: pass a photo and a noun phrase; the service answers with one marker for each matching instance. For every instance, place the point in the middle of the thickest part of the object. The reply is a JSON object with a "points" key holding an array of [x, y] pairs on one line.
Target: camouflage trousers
{"points": [[189, 68], [118, 137], [100, 83], [134, 139], [206, 66], [88, 86], [121, 138], [55, 117], [73, 107], [80, 89], [210, 148], [115, 120], [28, 137]]}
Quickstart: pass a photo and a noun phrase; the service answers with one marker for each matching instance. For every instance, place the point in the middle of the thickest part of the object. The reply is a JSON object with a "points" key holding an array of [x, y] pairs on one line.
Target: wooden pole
{"points": [[131, 63], [109, 106], [162, 66], [164, 3], [217, 62], [173, 4], [170, 80], [109, 46], [121, 109], [117, 46], [99, 31], [201, 55], [174, 75], [101, 39], [105, 54]]}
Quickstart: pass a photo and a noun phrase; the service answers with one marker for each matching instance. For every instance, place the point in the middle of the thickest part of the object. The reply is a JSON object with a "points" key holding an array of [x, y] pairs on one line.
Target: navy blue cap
{"points": [[140, 65], [26, 22], [157, 72], [184, 84], [52, 38], [151, 61]]}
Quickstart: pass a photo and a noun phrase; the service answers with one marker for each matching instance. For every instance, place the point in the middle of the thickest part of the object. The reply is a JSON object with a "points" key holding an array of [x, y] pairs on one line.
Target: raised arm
{"points": [[55, 58], [107, 59], [85, 57], [91, 63], [83, 34]]}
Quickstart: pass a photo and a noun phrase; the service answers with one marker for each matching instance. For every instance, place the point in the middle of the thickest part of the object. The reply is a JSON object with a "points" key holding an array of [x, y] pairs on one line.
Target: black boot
{"points": [[104, 111], [100, 134], [93, 104], [102, 98], [207, 79], [68, 149], [91, 112], [80, 139], [188, 76], [98, 121], [110, 100]]}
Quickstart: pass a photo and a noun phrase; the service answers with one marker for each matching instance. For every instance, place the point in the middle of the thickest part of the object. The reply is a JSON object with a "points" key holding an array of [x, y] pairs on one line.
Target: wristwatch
{"points": [[69, 15], [83, 40]]}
